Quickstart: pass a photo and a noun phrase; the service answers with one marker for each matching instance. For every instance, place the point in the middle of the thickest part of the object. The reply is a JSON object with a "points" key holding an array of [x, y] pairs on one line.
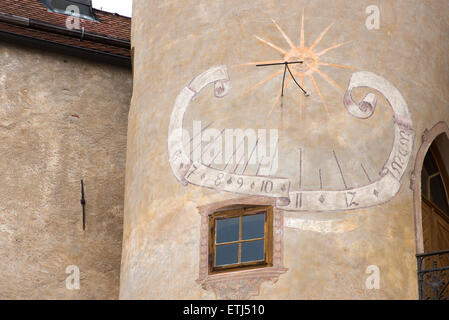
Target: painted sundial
{"points": [[286, 126]]}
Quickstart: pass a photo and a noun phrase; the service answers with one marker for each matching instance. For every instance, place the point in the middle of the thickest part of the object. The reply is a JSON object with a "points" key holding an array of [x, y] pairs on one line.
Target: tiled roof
{"points": [[108, 24]]}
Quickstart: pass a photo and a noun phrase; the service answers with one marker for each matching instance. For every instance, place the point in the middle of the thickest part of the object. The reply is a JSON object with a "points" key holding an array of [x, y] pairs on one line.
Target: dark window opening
{"points": [[432, 181], [66, 7]]}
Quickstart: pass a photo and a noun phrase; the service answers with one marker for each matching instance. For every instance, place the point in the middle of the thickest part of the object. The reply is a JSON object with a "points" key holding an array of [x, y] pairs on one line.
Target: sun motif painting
{"points": [[304, 62], [349, 179]]}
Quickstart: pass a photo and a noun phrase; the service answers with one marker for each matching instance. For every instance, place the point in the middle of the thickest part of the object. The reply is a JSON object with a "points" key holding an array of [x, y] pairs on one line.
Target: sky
{"points": [[122, 7]]}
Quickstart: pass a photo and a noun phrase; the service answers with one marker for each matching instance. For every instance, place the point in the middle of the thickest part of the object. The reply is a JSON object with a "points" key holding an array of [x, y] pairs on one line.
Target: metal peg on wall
{"points": [[83, 204]]}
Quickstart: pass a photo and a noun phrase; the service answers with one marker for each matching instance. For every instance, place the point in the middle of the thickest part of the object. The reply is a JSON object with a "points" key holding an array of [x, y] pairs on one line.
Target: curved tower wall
{"points": [[322, 251]]}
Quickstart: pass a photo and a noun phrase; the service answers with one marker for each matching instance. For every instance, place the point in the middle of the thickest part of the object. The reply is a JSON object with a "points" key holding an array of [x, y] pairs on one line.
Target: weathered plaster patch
{"points": [[326, 226]]}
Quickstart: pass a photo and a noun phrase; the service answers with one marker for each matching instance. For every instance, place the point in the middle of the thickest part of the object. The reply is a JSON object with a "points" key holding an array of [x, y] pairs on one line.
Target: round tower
{"points": [[273, 147]]}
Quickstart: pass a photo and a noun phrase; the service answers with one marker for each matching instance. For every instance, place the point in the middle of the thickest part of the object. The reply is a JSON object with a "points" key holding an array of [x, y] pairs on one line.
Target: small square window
{"points": [[241, 239]]}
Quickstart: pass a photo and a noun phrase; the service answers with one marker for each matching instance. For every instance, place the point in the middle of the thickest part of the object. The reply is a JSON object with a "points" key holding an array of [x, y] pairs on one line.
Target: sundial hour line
{"points": [[233, 154], [196, 136], [300, 168], [366, 173], [271, 161], [274, 155], [341, 171], [208, 146], [321, 180], [250, 157], [202, 130]]}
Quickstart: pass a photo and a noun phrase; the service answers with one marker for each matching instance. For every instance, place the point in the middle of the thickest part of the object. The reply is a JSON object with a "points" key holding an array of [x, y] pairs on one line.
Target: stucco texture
{"points": [[62, 119], [326, 253]]}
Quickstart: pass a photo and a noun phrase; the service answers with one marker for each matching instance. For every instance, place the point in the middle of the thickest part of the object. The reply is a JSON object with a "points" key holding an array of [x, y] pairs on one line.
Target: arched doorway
{"points": [[431, 202], [434, 196]]}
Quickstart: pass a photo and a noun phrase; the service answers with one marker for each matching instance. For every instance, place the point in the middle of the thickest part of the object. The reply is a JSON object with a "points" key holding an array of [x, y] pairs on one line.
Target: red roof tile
{"points": [[108, 24]]}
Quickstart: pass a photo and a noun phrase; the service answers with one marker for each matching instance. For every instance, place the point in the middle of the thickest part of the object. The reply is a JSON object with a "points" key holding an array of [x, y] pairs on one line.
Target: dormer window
{"points": [[84, 7]]}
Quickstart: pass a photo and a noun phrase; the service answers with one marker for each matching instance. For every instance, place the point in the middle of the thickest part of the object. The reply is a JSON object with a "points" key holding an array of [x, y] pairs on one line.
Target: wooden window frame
{"points": [[240, 284], [268, 239]]}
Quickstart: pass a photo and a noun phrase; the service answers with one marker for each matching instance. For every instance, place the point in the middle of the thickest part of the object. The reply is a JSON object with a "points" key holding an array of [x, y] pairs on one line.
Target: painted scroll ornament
{"points": [[375, 193]]}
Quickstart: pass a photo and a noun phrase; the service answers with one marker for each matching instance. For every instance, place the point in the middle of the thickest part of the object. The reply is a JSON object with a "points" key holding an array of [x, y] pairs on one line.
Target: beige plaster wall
{"points": [[62, 119], [326, 253]]}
